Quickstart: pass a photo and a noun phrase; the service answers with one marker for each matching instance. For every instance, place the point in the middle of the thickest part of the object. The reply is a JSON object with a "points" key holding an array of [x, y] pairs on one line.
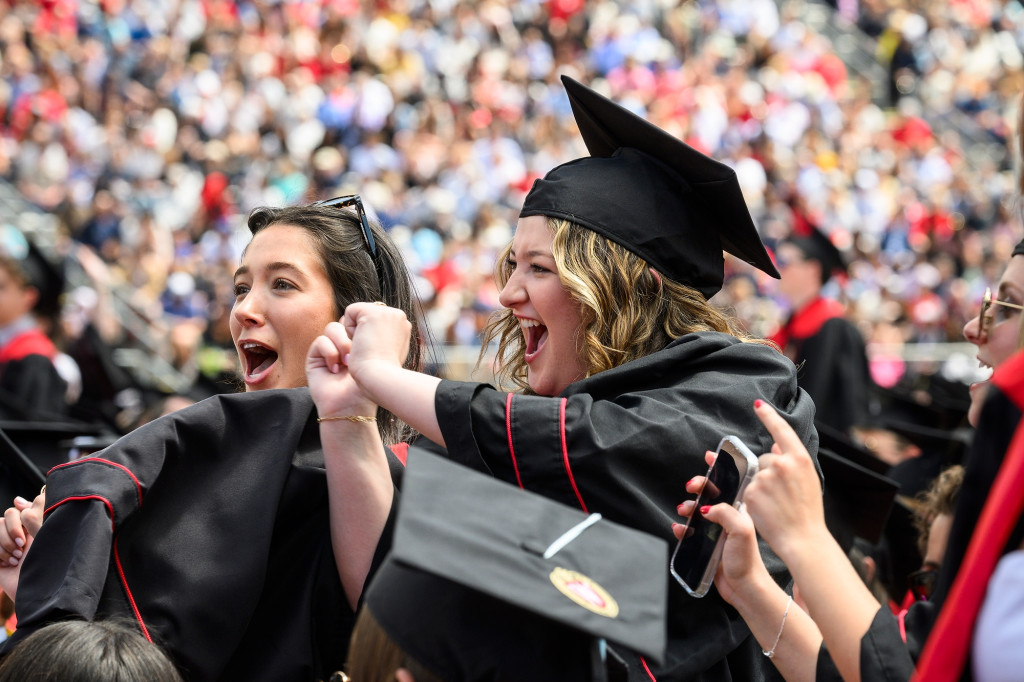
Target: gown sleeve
{"points": [[883, 655]]}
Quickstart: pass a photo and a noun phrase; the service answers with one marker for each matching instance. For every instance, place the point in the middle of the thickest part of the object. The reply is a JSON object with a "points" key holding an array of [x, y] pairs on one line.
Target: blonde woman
{"points": [[624, 373]]}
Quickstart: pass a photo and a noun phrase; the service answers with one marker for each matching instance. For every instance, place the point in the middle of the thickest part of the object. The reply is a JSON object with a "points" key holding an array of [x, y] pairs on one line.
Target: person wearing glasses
{"points": [[625, 373], [998, 331], [985, 541], [209, 528]]}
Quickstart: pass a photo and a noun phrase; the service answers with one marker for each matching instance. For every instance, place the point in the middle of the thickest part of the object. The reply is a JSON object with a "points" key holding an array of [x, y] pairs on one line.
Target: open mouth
{"points": [[258, 359], [535, 334]]}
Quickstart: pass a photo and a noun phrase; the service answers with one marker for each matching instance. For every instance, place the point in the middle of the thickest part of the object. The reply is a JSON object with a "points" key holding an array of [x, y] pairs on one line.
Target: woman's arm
{"points": [[380, 343], [785, 503], [359, 487], [742, 580]]}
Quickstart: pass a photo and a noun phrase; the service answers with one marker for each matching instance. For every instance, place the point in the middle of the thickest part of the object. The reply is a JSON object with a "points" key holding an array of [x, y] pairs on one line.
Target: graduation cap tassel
{"points": [[570, 535]]}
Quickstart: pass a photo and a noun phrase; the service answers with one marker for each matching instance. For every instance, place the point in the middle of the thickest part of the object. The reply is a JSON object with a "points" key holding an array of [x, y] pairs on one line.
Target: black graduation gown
{"points": [[883, 656], [32, 389], [209, 528], [623, 443], [834, 371]]}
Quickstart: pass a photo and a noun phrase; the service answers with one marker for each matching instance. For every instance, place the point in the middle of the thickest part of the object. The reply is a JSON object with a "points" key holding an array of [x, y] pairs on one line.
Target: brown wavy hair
{"points": [[627, 311]]}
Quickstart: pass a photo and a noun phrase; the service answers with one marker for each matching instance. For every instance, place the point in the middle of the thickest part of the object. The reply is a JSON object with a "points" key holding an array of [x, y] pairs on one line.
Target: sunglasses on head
{"points": [[354, 200]]}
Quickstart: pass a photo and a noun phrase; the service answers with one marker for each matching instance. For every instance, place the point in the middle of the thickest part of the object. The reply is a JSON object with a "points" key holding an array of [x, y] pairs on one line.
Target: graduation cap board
{"points": [[834, 440], [486, 581], [857, 499], [651, 193]]}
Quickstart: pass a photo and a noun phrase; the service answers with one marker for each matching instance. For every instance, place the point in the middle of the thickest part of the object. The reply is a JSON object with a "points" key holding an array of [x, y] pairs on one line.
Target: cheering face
{"points": [[549, 317], [283, 301], [998, 336]]}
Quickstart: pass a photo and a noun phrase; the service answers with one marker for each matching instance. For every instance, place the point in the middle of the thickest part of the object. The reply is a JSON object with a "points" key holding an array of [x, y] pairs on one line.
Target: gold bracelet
{"points": [[358, 418]]}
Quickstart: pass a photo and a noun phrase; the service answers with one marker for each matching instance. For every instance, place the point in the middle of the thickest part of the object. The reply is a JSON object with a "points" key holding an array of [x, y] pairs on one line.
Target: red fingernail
{"points": [[758, 403], [679, 509], [705, 508]]}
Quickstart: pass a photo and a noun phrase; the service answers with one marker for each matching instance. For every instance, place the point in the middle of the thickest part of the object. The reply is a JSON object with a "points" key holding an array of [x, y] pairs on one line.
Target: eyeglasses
{"points": [[987, 302], [921, 582], [354, 200]]}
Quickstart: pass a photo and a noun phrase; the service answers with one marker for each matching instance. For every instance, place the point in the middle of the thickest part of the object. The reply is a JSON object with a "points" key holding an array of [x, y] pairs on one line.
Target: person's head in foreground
{"points": [[616, 254], [88, 651]]}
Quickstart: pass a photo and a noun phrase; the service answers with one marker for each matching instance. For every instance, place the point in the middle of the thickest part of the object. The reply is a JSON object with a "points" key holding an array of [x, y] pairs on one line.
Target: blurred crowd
{"points": [[152, 128]]}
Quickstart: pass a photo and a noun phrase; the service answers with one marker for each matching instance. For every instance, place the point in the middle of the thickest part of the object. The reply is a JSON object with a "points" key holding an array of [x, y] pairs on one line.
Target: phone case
{"points": [[737, 449]]}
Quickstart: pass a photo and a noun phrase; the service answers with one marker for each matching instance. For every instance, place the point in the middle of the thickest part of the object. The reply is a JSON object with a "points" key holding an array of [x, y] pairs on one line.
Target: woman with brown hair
{"points": [[210, 527]]}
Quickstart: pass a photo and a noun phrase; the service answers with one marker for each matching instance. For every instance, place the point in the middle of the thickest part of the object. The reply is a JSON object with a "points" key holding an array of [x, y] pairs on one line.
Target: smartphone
{"points": [[697, 554]]}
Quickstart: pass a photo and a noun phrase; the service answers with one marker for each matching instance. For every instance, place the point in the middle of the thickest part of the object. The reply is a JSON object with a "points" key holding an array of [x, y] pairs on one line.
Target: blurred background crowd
{"points": [[136, 135]]}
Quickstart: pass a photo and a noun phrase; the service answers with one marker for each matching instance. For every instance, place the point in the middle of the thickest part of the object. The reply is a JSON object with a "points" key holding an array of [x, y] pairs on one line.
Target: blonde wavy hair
{"points": [[627, 312]]}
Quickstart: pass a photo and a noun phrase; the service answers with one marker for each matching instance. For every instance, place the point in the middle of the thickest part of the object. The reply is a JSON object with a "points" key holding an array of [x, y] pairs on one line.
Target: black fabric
{"points": [[461, 634], [883, 656], [843, 445], [999, 418], [220, 528], [31, 389], [633, 436], [651, 193], [834, 371], [473, 589], [857, 499]]}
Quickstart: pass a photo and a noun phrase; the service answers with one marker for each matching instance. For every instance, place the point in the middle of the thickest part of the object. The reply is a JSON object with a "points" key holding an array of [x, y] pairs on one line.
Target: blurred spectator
{"points": [[32, 387], [826, 347]]}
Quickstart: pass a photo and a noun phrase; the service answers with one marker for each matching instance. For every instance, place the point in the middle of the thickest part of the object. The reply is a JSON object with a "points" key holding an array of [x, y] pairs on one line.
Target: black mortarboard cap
{"points": [[839, 443], [477, 588], [950, 399], [816, 246], [39, 271], [1018, 249], [857, 499], [651, 193], [930, 426]]}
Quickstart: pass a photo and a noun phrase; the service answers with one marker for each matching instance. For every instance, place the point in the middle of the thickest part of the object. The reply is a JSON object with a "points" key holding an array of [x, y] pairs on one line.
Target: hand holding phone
{"points": [[699, 550]]}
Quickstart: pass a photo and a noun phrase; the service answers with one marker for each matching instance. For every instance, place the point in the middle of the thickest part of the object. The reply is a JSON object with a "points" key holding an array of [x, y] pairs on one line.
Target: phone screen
{"points": [[700, 536]]}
